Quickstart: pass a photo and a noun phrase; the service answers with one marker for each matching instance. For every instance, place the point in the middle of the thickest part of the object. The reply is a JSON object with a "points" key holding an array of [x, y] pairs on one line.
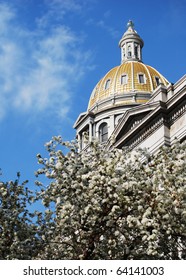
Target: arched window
{"points": [[103, 132], [129, 51], [107, 84], [157, 81]]}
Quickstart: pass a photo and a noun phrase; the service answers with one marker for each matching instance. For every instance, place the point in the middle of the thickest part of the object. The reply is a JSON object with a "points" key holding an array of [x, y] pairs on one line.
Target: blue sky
{"points": [[53, 52]]}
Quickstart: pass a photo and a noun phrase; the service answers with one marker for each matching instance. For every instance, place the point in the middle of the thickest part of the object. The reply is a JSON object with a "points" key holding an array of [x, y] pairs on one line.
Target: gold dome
{"points": [[127, 79]]}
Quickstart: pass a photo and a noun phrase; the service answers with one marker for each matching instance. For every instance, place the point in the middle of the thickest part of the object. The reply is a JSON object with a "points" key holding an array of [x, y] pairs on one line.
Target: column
{"points": [[90, 131], [111, 125], [79, 141]]}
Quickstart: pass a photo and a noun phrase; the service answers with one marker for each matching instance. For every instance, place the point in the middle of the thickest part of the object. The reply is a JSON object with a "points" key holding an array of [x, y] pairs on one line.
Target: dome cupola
{"points": [[131, 44], [132, 82]]}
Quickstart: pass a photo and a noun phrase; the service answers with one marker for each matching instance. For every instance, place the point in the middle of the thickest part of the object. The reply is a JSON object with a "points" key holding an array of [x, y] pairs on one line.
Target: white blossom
{"points": [[114, 204], [58, 165]]}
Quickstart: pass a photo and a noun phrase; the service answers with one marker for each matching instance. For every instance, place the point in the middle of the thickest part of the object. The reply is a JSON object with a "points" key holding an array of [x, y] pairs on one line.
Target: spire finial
{"points": [[130, 25]]}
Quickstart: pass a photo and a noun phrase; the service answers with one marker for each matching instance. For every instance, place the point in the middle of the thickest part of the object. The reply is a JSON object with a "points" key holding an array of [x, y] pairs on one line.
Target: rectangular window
{"points": [[124, 79], [157, 81], [141, 79], [129, 54], [136, 51]]}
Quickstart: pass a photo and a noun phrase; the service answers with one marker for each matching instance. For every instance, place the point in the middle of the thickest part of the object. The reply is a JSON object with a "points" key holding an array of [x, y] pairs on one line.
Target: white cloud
{"points": [[38, 69], [57, 9], [7, 15], [48, 80]]}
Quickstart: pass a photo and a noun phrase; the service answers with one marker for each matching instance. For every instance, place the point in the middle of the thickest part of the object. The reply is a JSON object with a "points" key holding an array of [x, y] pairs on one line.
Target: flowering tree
{"points": [[18, 239], [113, 204]]}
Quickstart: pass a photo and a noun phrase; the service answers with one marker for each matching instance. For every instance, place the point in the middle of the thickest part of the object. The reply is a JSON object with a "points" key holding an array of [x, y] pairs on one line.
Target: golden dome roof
{"points": [[129, 77], [132, 81]]}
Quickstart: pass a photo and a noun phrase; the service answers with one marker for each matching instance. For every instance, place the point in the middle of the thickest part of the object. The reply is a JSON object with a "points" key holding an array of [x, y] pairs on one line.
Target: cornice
{"points": [[139, 128], [160, 116]]}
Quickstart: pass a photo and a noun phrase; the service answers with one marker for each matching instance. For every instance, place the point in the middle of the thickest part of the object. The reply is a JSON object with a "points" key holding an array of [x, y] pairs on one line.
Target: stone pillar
{"points": [[90, 131], [111, 125], [79, 141], [133, 50]]}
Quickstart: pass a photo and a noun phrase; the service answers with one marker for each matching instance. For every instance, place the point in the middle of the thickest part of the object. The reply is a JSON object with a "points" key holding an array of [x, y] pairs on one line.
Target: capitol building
{"points": [[134, 105]]}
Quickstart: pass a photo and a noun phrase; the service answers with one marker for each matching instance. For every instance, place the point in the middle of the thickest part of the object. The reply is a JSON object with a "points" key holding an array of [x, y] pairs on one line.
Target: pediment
{"points": [[131, 119]]}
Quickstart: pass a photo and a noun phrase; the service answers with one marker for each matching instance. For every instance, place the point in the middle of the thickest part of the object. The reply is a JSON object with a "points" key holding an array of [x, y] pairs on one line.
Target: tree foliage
{"points": [[99, 204], [18, 239], [113, 204]]}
